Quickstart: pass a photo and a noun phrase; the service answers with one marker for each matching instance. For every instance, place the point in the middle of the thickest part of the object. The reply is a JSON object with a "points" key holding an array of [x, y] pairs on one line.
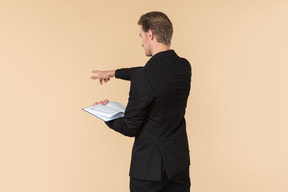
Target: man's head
{"points": [[155, 27]]}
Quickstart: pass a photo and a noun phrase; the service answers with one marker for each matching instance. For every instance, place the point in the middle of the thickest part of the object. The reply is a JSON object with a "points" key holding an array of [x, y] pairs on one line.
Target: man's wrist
{"points": [[112, 73]]}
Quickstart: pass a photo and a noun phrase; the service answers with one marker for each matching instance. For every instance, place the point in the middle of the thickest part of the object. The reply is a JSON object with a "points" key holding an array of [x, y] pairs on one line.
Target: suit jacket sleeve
{"points": [[140, 97], [126, 73]]}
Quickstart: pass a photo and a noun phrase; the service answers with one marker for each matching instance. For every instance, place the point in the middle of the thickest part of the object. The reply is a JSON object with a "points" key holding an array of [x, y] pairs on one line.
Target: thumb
{"points": [[94, 77]]}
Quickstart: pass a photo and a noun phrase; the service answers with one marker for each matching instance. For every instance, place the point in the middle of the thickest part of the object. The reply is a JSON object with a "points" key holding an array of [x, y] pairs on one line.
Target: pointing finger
{"points": [[95, 71]]}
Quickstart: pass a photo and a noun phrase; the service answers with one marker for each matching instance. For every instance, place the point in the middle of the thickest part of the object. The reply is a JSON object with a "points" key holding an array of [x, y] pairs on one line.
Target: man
{"points": [[155, 111]]}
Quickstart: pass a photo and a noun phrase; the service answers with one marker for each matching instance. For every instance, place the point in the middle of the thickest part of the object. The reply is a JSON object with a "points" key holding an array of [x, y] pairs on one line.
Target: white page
{"points": [[111, 110], [116, 105], [118, 115], [103, 110]]}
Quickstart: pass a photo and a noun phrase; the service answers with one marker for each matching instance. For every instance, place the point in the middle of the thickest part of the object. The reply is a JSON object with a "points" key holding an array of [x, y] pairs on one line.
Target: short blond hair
{"points": [[159, 24]]}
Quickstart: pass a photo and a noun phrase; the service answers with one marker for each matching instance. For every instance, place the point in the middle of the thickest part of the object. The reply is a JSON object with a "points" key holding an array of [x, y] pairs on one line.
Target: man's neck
{"points": [[159, 47]]}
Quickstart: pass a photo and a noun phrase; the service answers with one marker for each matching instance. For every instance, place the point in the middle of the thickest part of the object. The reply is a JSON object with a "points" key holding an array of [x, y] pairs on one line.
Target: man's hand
{"points": [[103, 75], [104, 102]]}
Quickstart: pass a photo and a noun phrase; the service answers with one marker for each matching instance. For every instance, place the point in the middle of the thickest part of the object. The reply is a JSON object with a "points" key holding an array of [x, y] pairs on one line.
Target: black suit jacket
{"points": [[155, 116]]}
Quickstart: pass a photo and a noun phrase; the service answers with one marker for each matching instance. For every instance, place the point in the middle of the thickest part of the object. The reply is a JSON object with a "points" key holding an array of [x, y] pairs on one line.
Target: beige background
{"points": [[236, 115]]}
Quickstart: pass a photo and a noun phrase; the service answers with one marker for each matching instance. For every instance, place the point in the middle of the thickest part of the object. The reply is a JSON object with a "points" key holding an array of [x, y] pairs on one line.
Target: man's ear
{"points": [[151, 35]]}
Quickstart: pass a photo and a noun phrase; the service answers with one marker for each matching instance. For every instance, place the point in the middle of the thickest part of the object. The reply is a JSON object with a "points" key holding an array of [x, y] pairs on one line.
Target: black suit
{"points": [[155, 116]]}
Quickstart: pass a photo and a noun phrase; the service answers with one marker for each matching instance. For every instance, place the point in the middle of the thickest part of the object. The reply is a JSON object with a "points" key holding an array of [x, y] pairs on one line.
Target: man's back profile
{"points": [[155, 111]]}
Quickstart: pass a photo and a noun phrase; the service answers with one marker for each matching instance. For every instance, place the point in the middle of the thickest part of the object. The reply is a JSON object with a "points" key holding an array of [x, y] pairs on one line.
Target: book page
{"points": [[116, 105], [104, 110], [110, 111], [118, 115]]}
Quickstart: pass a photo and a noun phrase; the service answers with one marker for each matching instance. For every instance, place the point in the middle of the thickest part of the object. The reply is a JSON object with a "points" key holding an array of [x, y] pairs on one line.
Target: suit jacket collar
{"points": [[161, 55]]}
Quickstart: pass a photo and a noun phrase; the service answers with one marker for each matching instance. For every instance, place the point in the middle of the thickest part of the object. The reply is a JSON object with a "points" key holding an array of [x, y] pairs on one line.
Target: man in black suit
{"points": [[155, 111]]}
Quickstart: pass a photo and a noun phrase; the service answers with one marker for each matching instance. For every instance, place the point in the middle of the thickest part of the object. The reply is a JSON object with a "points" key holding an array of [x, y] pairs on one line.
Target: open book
{"points": [[108, 112]]}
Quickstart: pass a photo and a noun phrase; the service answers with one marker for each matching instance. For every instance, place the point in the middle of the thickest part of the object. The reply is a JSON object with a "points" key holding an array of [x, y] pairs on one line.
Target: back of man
{"points": [[163, 136], [155, 112]]}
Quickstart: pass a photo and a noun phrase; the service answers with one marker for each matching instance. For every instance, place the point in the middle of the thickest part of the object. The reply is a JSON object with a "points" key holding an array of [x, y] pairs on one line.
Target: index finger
{"points": [[95, 71]]}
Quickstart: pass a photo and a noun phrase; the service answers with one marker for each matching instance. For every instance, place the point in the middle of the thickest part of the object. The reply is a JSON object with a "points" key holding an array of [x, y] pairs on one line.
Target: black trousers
{"points": [[179, 183]]}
